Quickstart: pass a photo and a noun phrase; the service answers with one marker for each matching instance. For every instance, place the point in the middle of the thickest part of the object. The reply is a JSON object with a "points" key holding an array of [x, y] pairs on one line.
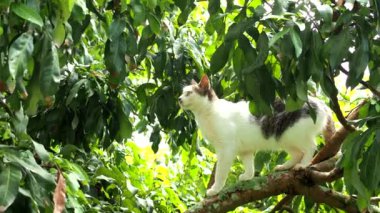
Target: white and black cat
{"points": [[233, 130]]}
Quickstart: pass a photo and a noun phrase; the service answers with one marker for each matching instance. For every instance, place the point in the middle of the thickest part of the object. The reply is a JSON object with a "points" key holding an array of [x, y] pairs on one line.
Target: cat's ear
{"points": [[205, 83], [193, 82]]}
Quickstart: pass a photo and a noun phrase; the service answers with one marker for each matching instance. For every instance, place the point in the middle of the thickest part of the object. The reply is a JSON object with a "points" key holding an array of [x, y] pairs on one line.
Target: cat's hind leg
{"points": [[308, 154], [295, 157], [249, 166]]}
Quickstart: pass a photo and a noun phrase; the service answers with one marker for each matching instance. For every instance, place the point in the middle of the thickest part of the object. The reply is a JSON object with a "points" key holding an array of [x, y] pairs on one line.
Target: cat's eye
{"points": [[188, 93]]}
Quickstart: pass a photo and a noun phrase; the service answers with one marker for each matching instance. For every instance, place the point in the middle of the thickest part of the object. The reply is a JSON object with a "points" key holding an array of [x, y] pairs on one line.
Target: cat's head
{"points": [[197, 95]]}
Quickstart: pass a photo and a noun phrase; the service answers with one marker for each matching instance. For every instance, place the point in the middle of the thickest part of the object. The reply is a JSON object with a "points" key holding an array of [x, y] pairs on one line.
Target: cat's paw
{"points": [[244, 177], [211, 192], [280, 168]]}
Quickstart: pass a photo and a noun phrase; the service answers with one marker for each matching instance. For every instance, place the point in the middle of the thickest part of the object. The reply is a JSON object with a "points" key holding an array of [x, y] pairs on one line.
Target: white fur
{"points": [[229, 128]]}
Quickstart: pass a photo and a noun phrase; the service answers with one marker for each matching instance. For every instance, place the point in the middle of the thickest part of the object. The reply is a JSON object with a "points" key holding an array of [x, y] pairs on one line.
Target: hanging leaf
{"points": [[19, 53], [59, 193], [220, 57], [66, 6], [41, 151], [337, 48], [297, 43], [27, 13], [154, 24], [10, 178], [326, 12], [278, 36], [50, 71], [213, 6], [359, 59]]}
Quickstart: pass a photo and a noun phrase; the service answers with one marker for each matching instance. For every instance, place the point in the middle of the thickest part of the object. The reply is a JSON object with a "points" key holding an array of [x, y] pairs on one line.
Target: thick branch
{"points": [[293, 182], [323, 195]]}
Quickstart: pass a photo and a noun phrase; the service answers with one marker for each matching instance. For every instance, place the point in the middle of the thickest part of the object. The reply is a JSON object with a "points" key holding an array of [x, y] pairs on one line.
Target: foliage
{"points": [[79, 78]]}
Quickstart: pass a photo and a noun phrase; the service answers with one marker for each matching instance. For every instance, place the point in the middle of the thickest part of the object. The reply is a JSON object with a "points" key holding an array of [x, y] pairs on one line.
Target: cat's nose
{"points": [[180, 99]]}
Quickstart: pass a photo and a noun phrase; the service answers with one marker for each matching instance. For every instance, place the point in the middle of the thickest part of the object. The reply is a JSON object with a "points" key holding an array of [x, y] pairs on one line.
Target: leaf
{"points": [[41, 151], [220, 57], [59, 34], [59, 193], [155, 138], [26, 160], [27, 13], [19, 53], [263, 49], [359, 59], [20, 122], [66, 6], [326, 12], [50, 71], [10, 178], [371, 164], [297, 43], [125, 126], [213, 6], [337, 47], [236, 29], [154, 24], [278, 36]]}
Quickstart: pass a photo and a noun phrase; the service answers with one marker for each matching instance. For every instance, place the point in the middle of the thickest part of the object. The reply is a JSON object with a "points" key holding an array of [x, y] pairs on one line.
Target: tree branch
{"points": [[293, 182]]}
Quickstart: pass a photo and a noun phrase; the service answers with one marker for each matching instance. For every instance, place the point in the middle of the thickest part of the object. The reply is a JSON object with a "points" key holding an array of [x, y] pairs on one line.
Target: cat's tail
{"points": [[329, 128]]}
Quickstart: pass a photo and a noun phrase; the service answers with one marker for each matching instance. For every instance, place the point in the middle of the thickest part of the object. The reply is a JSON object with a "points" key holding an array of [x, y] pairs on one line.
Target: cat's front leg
{"points": [[225, 159]]}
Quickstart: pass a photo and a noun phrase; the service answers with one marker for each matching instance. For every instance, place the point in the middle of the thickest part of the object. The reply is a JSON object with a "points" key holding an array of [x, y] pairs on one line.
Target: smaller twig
{"points": [[212, 178], [280, 205], [364, 83], [6, 107], [339, 114]]}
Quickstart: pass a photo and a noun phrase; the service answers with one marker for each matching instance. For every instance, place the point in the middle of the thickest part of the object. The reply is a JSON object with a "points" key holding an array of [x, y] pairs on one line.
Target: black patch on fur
{"points": [[277, 124]]}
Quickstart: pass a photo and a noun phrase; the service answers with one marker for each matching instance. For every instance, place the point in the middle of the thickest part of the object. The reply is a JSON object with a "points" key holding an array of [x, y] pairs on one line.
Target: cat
{"points": [[232, 130]]}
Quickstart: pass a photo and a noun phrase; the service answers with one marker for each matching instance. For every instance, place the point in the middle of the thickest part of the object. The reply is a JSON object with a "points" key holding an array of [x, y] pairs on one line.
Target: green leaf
{"points": [[236, 29], [66, 6], [220, 57], [59, 34], [359, 59], [371, 164], [155, 138], [10, 178], [296, 42], [154, 24], [326, 12], [19, 53], [50, 71], [337, 47], [20, 122], [263, 49], [125, 126], [41, 151], [26, 160], [213, 6], [27, 13], [278, 36]]}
